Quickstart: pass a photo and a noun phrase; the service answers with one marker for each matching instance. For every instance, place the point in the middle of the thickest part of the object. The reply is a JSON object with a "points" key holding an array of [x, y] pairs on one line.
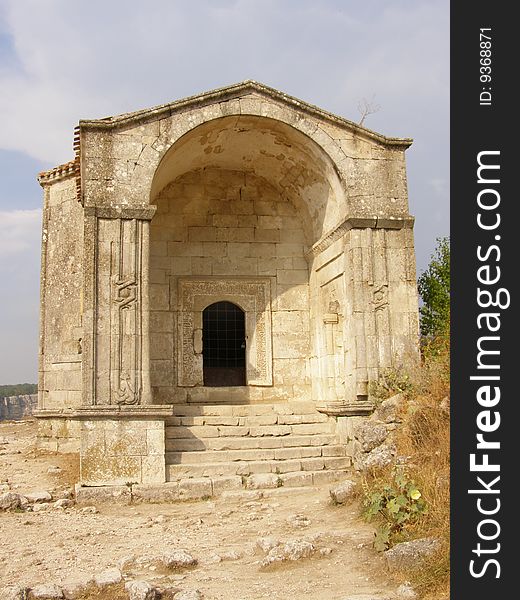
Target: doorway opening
{"points": [[224, 345]]}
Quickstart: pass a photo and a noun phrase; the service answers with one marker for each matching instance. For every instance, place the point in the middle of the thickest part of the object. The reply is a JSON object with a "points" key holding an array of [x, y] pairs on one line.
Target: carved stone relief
{"points": [[119, 333], [254, 298]]}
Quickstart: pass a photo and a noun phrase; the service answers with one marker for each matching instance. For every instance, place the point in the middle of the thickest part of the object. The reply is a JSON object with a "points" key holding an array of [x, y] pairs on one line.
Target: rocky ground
{"points": [[291, 543]]}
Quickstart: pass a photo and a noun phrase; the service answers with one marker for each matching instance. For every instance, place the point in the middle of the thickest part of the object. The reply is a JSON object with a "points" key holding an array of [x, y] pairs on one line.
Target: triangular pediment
{"points": [[236, 91]]}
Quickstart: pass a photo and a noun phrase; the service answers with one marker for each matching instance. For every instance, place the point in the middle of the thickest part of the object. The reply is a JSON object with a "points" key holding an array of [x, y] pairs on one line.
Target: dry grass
{"points": [[112, 592], [425, 439], [115, 592]]}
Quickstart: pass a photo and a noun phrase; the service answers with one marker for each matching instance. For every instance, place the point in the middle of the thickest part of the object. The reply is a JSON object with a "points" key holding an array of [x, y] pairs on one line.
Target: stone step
{"points": [[177, 471], [240, 410], [232, 486], [254, 480], [201, 432], [248, 443], [270, 418], [201, 488]]}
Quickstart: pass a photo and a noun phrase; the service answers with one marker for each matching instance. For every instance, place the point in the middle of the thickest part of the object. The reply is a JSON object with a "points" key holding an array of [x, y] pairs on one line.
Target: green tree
{"points": [[434, 289], [18, 389]]}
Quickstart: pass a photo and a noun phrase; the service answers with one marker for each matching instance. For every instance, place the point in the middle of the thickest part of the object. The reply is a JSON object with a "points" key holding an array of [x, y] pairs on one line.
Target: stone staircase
{"points": [[255, 446]]}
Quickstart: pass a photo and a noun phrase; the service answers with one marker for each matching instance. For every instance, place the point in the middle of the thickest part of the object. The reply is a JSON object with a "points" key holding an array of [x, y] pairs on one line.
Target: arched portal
{"points": [[223, 345]]}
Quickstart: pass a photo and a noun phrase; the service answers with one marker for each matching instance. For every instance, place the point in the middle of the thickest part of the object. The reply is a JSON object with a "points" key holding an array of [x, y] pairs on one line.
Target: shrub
{"points": [[396, 504]]}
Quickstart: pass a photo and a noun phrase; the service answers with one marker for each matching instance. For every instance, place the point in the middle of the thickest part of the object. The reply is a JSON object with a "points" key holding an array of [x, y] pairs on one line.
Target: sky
{"points": [[62, 61]]}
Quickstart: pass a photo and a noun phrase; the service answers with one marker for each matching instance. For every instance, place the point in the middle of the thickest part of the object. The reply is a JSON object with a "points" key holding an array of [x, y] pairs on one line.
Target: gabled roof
{"points": [[231, 92], [222, 94]]}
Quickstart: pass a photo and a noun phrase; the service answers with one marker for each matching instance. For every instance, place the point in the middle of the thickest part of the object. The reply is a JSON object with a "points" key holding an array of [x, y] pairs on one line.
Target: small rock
{"points": [[189, 595], [10, 501], [409, 555], [377, 459], [371, 434], [231, 555], [13, 593], [342, 492], [63, 503], [406, 591], [160, 519], [72, 588], [4, 488], [296, 549], [375, 596], [46, 591], [108, 577], [262, 481], [140, 590], [126, 563], [325, 551], [54, 470], [41, 506], [42, 496], [445, 405], [388, 410], [266, 544], [89, 509], [290, 551], [213, 559], [179, 559], [298, 520]]}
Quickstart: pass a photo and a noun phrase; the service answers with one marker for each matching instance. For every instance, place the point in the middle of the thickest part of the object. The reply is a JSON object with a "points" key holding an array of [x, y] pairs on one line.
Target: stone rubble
{"points": [[372, 442]]}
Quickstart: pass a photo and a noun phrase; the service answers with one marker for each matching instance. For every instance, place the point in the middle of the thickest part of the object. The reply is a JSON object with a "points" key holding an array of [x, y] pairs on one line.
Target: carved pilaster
{"points": [[116, 360]]}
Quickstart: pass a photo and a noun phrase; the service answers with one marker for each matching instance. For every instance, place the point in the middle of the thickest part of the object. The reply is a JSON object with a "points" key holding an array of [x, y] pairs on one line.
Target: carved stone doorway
{"points": [[223, 345]]}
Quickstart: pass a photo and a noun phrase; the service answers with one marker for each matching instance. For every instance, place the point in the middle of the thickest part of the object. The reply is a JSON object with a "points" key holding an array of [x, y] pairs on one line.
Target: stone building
{"points": [[222, 278]]}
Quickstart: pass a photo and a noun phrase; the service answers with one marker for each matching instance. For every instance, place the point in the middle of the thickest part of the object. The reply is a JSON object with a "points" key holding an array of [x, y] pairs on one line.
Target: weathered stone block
{"points": [[296, 479]]}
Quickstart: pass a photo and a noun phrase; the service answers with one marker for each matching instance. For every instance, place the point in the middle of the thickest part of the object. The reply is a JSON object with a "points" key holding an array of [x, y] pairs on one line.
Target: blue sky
{"points": [[62, 61]]}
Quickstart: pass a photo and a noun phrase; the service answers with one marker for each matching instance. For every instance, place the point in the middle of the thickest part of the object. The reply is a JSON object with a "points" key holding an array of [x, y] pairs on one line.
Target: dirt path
{"points": [[64, 545]]}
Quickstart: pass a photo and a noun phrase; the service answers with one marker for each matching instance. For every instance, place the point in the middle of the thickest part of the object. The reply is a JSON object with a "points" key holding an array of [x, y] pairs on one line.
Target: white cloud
{"points": [[19, 231], [98, 58]]}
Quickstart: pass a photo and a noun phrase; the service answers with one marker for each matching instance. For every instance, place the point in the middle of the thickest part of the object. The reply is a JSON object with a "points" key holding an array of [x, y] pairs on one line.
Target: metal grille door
{"points": [[224, 346]]}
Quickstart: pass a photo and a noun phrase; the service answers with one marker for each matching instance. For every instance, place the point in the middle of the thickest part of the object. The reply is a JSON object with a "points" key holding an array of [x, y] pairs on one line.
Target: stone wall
{"points": [[61, 297], [59, 434], [14, 408], [122, 451]]}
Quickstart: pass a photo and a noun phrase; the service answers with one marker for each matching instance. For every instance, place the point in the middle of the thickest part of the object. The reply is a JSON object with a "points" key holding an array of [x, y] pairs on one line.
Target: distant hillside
{"points": [[18, 389]]}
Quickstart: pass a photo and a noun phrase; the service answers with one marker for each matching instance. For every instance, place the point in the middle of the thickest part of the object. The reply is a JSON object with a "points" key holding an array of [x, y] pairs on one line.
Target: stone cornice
{"points": [[360, 223], [232, 92], [108, 411]]}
